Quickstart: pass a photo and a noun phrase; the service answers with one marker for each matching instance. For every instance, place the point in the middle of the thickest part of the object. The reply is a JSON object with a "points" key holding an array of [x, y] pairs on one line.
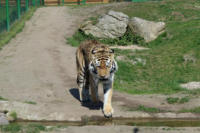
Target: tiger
{"points": [[96, 65]]}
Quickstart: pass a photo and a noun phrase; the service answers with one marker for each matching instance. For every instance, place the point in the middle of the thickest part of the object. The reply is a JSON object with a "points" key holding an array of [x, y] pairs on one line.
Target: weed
{"points": [[184, 100], [173, 100], [27, 128], [30, 102], [127, 39], [94, 20], [194, 110], [12, 128], [13, 114], [145, 109], [148, 109], [3, 99], [35, 128]]}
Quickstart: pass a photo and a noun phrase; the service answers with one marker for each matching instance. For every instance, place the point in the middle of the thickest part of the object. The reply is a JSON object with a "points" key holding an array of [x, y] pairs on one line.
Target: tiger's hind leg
{"points": [[82, 76], [83, 86]]}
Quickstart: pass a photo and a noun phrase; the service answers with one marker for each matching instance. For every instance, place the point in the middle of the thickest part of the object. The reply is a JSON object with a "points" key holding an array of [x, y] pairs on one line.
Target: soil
{"points": [[126, 129], [38, 65]]}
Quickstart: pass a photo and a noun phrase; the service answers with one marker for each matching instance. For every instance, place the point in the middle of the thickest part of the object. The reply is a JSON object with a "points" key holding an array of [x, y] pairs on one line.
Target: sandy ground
{"points": [[126, 129], [38, 66]]}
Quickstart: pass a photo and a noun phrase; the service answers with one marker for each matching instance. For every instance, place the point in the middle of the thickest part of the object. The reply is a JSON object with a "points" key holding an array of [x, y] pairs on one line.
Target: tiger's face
{"points": [[103, 64]]}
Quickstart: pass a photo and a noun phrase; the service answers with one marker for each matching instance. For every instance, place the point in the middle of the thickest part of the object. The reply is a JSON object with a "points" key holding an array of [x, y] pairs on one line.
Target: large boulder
{"points": [[149, 30], [3, 119], [111, 25]]}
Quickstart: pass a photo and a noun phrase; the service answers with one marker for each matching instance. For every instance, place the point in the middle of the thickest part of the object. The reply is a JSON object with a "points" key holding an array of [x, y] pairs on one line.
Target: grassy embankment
{"points": [[28, 128], [165, 68], [16, 27]]}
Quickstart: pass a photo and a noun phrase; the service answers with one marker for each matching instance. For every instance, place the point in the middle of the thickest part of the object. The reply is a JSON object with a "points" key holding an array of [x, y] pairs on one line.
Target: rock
{"points": [[149, 30], [139, 61], [191, 85], [189, 58], [3, 119], [11, 116], [131, 47], [111, 25], [121, 58]]}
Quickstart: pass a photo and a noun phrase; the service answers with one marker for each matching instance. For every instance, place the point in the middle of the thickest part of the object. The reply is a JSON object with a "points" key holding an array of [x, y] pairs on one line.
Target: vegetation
{"points": [[3, 99], [12, 128], [28, 128], [30, 102], [194, 110], [13, 114], [146, 109], [172, 100], [17, 27], [165, 68], [35, 128], [127, 39]]}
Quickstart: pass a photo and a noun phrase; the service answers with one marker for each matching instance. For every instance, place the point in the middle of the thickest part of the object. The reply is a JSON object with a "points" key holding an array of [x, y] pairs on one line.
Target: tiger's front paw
{"points": [[108, 111]]}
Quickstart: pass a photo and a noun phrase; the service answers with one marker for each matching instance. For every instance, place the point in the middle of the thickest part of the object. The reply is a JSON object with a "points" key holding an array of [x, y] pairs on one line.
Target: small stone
{"points": [[3, 119], [121, 58], [139, 61], [191, 85], [189, 58]]}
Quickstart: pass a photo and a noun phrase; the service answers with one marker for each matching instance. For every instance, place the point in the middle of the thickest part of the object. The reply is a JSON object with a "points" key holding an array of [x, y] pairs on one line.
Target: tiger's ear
{"points": [[112, 51], [114, 67]]}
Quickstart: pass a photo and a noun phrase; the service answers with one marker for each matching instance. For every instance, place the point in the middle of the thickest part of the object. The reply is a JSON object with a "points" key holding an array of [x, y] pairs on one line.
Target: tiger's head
{"points": [[102, 65]]}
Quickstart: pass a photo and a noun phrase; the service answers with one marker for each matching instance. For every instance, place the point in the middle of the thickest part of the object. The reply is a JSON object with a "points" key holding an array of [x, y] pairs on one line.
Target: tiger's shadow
{"points": [[75, 93]]}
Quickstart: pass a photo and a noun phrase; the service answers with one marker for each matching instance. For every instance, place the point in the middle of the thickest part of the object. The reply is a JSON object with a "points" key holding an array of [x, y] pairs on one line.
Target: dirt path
{"points": [[125, 129], [38, 66]]}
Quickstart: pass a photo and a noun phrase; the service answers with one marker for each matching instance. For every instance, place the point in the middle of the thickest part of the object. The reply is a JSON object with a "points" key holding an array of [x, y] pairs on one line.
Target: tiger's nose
{"points": [[103, 77]]}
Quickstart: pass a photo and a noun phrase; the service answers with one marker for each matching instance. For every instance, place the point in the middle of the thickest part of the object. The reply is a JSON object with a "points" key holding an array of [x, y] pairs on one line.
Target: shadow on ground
{"points": [[88, 104]]}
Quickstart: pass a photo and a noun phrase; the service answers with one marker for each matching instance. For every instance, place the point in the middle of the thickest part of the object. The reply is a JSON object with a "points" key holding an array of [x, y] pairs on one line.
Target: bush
{"points": [[128, 39]]}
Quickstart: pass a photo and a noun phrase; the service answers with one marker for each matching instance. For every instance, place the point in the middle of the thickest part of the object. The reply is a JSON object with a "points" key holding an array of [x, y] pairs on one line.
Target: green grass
{"points": [[145, 109], [28, 128], [3, 99], [30, 102], [35, 128], [165, 68], [12, 128], [184, 100], [17, 27], [173, 100], [127, 39], [194, 110], [18, 128], [13, 114], [148, 109]]}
